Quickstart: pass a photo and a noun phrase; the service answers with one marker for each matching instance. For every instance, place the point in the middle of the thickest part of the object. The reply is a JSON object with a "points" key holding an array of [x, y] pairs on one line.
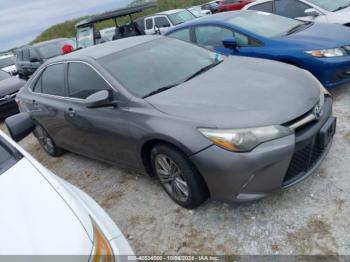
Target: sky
{"points": [[22, 20]]}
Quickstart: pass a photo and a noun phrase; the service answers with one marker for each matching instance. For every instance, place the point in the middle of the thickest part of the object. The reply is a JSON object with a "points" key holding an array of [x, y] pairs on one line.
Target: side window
{"points": [[264, 7], [183, 35], [19, 56], [32, 53], [290, 8], [161, 22], [38, 86], [53, 80], [26, 54], [241, 39], [212, 36], [83, 81], [149, 23]]}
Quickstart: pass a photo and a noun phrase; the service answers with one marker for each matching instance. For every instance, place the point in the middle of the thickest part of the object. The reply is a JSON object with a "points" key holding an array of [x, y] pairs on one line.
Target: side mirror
{"points": [[34, 60], [311, 12], [20, 126], [157, 30], [230, 43], [100, 99]]}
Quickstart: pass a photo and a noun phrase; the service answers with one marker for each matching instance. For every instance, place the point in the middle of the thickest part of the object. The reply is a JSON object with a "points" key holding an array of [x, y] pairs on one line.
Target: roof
{"points": [[51, 42], [170, 12], [115, 14], [105, 49]]}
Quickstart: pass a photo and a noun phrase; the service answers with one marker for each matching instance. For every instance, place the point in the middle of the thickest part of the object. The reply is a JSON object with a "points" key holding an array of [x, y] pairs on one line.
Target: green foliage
{"points": [[67, 29]]}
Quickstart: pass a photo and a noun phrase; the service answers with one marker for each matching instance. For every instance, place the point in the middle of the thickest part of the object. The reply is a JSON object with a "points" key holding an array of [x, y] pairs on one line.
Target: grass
{"points": [[67, 28]]}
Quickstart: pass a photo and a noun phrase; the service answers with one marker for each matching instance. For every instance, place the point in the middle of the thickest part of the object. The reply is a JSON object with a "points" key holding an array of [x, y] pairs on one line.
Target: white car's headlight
{"points": [[102, 250], [244, 140], [324, 53]]}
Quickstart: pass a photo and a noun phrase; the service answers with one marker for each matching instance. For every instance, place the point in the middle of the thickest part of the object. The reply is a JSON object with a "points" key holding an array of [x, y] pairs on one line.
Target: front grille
{"points": [[304, 159]]}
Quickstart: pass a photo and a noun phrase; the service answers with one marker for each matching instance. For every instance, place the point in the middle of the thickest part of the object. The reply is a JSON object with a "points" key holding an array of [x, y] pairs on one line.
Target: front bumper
{"points": [[331, 72], [239, 177]]}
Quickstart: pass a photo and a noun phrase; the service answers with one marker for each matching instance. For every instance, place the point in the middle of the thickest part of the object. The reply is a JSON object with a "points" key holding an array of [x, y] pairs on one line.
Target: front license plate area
{"points": [[327, 132]]}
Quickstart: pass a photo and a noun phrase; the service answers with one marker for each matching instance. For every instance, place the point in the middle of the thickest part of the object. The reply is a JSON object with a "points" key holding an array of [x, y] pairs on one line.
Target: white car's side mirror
{"points": [[312, 12]]}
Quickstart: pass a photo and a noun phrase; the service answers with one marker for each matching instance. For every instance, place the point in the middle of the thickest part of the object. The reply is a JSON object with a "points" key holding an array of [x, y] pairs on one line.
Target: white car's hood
{"points": [[34, 218]]}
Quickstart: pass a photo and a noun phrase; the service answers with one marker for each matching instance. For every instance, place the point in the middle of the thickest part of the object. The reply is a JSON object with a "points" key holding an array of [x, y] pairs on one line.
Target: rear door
{"points": [[47, 103], [149, 26]]}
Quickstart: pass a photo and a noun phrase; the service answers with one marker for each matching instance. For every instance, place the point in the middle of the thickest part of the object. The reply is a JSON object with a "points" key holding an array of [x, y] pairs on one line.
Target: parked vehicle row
{"points": [[337, 12], [265, 35]]}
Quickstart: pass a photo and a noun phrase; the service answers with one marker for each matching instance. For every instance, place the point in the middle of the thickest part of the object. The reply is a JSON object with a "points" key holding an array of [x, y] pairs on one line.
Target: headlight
{"points": [[244, 140], [333, 52], [102, 250]]}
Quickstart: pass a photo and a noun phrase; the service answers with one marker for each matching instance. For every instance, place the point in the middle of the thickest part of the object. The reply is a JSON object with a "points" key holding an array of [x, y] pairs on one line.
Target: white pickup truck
{"points": [[159, 23]]}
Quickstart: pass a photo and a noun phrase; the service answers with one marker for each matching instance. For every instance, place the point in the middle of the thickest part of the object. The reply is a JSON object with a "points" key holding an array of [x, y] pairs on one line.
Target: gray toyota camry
{"points": [[207, 126]]}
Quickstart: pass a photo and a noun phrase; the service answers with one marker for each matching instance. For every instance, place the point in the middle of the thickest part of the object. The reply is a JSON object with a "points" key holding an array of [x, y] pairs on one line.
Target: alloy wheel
{"points": [[171, 176]]}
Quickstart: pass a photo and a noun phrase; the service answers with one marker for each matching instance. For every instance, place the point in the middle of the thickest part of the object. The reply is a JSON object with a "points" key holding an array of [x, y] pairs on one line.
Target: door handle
{"points": [[71, 112]]}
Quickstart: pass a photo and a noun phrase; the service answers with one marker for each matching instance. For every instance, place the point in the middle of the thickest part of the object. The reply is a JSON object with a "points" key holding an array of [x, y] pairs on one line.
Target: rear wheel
{"points": [[178, 177], [47, 142]]}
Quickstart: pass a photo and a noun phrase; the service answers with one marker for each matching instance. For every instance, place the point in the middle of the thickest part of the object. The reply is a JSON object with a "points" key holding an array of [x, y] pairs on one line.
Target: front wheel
{"points": [[47, 142], [178, 177]]}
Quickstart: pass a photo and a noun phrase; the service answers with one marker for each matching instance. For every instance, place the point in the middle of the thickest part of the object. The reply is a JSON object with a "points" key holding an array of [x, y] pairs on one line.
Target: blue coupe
{"points": [[322, 49]]}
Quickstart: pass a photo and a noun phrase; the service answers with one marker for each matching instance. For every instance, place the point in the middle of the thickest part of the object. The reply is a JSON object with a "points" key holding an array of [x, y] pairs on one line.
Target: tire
{"points": [[46, 142], [178, 177]]}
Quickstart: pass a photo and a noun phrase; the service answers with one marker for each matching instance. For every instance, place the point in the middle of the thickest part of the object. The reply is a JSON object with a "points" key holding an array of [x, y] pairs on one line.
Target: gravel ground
{"points": [[310, 218]]}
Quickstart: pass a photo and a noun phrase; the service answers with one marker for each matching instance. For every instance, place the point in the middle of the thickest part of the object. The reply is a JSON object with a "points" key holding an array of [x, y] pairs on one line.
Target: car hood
{"points": [[242, 92], [10, 85], [35, 219], [320, 35]]}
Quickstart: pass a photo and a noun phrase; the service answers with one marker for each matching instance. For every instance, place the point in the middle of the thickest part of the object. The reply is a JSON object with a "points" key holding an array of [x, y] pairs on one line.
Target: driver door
{"points": [[161, 23], [100, 133]]}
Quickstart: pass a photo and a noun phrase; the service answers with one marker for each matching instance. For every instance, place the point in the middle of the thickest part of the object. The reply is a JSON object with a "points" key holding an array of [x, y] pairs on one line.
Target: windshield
{"points": [[8, 61], [51, 50], [85, 37], [181, 17], [265, 24], [4, 75], [331, 5], [146, 68]]}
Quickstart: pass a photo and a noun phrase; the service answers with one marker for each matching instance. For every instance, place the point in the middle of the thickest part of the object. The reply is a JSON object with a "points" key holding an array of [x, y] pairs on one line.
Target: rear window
{"points": [[8, 156]]}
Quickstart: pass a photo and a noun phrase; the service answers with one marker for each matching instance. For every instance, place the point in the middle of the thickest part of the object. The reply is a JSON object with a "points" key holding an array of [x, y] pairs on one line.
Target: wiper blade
{"points": [[204, 69], [295, 29], [159, 90], [341, 7]]}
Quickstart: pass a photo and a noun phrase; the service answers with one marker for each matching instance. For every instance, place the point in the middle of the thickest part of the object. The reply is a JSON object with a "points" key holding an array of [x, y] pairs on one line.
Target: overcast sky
{"points": [[22, 20]]}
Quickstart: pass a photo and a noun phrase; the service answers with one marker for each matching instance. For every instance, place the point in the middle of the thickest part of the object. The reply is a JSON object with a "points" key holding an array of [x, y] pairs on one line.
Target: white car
{"points": [[159, 23], [197, 11], [8, 64], [43, 215], [325, 11]]}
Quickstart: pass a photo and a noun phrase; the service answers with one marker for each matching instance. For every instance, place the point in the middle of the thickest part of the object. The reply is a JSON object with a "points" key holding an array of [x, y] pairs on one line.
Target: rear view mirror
{"points": [[157, 30], [230, 42], [20, 126], [100, 99], [311, 12]]}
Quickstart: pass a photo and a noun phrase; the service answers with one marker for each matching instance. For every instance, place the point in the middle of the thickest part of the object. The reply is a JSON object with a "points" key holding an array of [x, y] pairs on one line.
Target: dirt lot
{"points": [[310, 218]]}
